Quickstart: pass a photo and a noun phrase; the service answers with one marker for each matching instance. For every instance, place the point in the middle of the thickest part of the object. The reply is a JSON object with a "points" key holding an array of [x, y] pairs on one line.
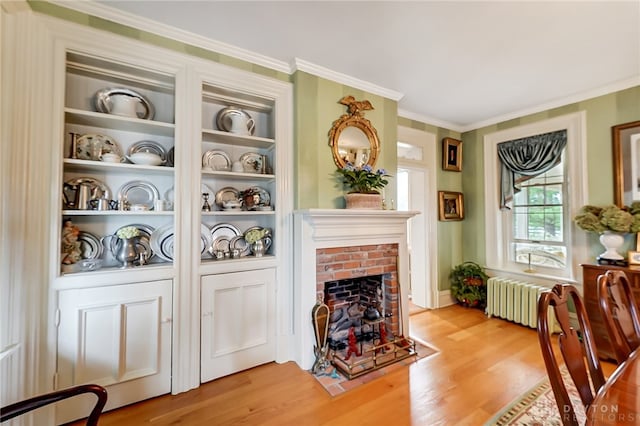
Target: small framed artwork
{"points": [[634, 257], [452, 154], [450, 205]]}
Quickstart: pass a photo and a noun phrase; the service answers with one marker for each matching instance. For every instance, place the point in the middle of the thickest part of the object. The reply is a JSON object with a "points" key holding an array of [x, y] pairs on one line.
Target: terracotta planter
{"points": [[356, 200]]}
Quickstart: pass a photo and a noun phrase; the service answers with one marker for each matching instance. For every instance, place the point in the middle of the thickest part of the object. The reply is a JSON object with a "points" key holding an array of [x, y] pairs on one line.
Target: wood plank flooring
{"points": [[482, 365]]}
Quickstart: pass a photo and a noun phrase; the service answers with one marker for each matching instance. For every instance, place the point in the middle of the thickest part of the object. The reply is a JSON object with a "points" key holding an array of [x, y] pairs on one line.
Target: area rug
{"points": [[335, 383], [537, 406]]}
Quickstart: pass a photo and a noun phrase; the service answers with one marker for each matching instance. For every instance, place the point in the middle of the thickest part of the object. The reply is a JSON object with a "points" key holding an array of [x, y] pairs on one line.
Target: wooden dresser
{"points": [[590, 276]]}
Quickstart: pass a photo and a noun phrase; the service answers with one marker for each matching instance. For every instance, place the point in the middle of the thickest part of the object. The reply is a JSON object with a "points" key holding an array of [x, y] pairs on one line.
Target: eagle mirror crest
{"points": [[352, 137]]}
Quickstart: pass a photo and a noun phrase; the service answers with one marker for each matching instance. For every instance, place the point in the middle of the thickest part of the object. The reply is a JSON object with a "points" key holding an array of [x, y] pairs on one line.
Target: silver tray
{"points": [[92, 146], [98, 188], [216, 159], [90, 246], [148, 146], [139, 192], [103, 103], [227, 193], [223, 118]]}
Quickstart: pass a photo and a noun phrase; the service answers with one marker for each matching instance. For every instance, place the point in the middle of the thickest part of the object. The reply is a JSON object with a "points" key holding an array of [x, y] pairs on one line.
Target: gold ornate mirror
{"points": [[626, 163], [352, 138]]}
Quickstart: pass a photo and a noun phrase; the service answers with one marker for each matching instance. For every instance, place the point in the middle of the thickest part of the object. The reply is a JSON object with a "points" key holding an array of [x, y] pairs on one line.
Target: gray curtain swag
{"points": [[526, 158]]}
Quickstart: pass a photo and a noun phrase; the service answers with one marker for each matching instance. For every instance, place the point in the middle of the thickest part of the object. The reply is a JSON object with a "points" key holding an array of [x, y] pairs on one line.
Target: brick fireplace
{"points": [[353, 278], [334, 244]]}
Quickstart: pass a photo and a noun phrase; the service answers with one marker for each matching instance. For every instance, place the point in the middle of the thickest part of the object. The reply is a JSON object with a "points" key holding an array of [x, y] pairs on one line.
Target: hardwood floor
{"points": [[482, 365]]}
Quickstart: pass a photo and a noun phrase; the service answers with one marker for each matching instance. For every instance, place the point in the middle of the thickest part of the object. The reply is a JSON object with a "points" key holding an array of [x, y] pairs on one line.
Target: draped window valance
{"points": [[525, 158]]}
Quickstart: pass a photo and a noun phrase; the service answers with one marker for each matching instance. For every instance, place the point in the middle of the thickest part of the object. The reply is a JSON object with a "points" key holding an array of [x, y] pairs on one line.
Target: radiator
{"points": [[516, 301]]}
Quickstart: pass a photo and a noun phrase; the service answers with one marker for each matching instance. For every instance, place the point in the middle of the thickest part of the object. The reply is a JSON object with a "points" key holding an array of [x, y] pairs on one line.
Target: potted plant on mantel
{"points": [[363, 185], [611, 222], [469, 285]]}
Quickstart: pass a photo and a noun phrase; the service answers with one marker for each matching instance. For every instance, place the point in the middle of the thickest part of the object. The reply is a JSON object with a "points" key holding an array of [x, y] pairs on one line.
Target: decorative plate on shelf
{"points": [[216, 159], [92, 146], [104, 101], [224, 230], [252, 162], [90, 246], [162, 236], [239, 243], [255, 198]]}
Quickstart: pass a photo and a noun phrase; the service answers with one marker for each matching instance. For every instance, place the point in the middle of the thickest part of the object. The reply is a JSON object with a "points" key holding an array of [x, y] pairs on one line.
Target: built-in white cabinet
{"points": [[177, 313], [115, 336], [238, 322]]}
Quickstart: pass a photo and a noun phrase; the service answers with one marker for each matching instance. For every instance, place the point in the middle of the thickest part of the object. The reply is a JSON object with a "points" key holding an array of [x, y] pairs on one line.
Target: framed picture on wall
{"points": [[452, 154], [450, 205]]}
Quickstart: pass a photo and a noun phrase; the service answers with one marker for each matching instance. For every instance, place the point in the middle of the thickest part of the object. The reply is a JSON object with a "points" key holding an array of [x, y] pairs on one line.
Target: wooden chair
{"points": [[619, 312], [577, 347], [22, 407]]}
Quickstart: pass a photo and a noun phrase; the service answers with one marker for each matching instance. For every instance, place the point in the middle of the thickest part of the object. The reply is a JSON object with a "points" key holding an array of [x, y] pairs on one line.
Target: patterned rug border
{"points": [[520, 403], [531, 405], [335, 383]]}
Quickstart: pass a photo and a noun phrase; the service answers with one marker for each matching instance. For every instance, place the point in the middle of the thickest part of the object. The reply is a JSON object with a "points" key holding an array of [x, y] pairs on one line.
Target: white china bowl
{"points": [[145, 158], [231, 204]]}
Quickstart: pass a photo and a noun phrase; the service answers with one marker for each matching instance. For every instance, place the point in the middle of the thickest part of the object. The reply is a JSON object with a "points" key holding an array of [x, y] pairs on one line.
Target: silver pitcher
{"points": [[260, 247]]}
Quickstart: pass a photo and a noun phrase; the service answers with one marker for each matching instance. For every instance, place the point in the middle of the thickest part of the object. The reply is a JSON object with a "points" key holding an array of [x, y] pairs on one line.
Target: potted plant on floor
{"points": [[469, 285]]}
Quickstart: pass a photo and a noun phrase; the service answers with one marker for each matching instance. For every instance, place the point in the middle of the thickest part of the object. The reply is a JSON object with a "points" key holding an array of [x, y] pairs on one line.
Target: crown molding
{"points": [[302, 65], [120, 17], [556, 103], [429, 120]]}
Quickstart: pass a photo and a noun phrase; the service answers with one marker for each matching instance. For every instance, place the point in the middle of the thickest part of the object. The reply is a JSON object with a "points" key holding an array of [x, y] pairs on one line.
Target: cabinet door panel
{"points": [[118, 337], [237, 322]]}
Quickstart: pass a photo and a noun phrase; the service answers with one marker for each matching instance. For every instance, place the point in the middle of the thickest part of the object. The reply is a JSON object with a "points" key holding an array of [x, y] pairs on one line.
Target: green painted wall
{"points": [[316, 108], [602, 113]]}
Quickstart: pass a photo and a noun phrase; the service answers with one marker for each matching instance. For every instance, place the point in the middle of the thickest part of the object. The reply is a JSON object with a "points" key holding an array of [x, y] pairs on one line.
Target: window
{"points": [[539, 222], [538, 218]]}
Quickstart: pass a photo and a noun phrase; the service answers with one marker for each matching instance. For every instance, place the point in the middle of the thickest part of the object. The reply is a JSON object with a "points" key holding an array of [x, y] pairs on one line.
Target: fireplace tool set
{"points": [[359, 358]]}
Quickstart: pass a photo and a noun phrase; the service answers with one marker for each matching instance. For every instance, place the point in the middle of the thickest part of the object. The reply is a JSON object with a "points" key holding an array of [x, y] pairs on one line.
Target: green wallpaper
{"points": [[316, 108], [602, 113]]}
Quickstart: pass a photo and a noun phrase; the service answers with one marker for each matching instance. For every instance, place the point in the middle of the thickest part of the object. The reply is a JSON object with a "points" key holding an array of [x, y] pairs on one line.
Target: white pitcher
{"points": [[124, 105], [241, 124]]}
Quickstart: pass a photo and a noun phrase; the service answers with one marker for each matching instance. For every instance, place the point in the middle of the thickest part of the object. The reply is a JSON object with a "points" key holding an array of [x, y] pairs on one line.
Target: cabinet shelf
{"points": [[116, 213], [209, 135], [98, 119], [238, 175], [238, 213], [73, 164]]}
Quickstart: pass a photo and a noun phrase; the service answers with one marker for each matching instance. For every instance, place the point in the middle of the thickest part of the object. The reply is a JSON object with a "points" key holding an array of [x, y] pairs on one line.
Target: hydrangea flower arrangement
{"points": [[363, 179], [609, 218], [128, 232]]}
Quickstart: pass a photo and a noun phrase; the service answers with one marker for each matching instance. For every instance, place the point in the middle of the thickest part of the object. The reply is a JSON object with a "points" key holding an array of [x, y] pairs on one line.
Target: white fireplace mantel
{"points": [[325, 228]]}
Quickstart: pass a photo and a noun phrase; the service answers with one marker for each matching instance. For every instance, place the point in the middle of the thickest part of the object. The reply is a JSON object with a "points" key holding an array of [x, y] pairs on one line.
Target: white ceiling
{"points": [[457, 64]]}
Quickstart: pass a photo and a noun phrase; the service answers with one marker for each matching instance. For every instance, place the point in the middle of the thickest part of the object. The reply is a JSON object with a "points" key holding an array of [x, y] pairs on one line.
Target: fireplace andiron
{"points": [[320, 317]]}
